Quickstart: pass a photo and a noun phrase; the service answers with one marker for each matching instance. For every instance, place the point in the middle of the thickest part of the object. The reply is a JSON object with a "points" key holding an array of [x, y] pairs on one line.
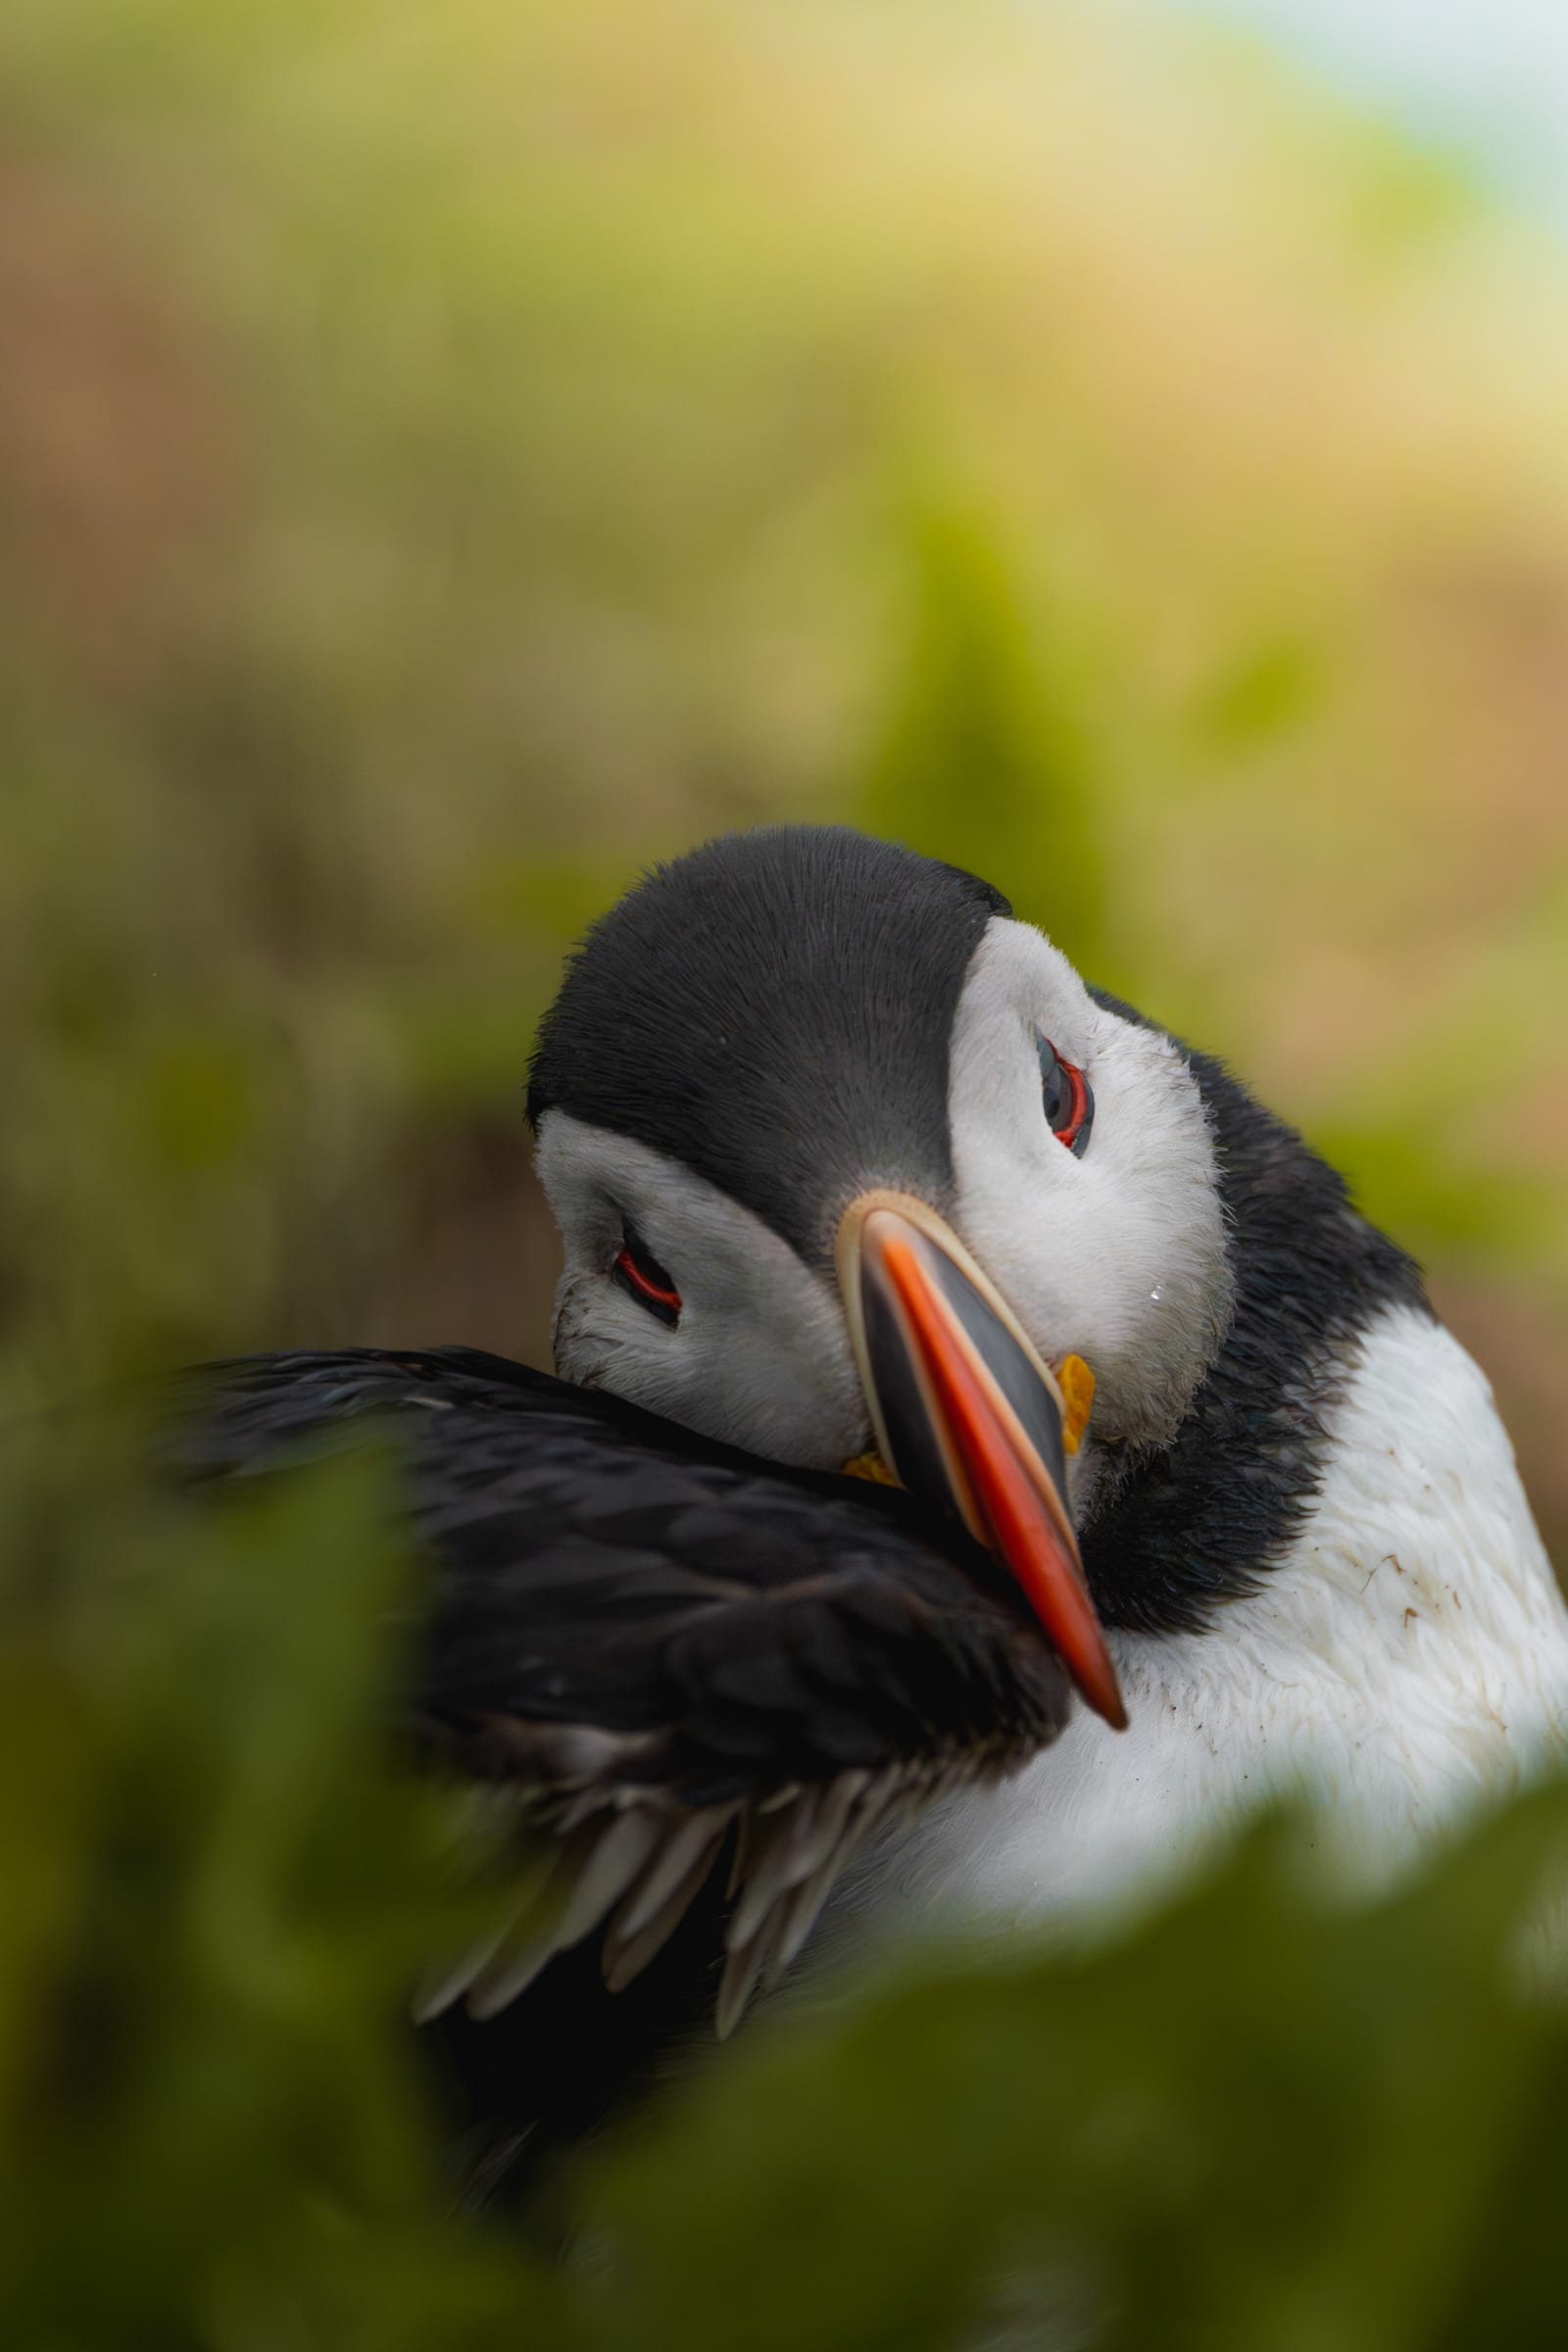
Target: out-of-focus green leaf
{"points": [[984, 760], [1440, 1207], [216, 1895], [1261, 2121], [1263, 692]]}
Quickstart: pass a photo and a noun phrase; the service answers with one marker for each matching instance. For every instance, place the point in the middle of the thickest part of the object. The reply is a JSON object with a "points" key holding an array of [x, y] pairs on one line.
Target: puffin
{"points": [[988, 1454]]}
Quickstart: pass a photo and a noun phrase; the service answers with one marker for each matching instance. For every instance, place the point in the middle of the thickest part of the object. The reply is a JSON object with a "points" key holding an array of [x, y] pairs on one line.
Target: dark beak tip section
{"points": [[967, 1414]]}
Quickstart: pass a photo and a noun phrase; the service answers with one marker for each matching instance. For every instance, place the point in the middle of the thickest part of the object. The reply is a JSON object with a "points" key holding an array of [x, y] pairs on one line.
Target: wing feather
{"points": [[657, 1648]]}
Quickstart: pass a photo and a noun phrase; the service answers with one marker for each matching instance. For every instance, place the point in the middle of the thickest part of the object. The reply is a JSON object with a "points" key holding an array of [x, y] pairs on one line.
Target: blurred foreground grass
{"points": [[446, 459], [1259, 2121]]}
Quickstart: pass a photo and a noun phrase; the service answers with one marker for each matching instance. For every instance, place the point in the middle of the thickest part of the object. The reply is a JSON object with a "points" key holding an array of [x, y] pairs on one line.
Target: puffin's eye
{"points": [[1066, 1096], [640, 1273]]}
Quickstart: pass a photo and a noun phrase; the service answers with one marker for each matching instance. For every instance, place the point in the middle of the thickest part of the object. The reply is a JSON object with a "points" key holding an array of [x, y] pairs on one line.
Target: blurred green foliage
{"points": [[447, 459], [214, 1900], [1258, 2120], [985, 761], [1253, 2123]]}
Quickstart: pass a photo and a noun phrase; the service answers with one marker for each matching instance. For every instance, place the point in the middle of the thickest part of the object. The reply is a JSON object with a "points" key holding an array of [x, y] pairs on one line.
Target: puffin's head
{"points": [[846, 1158]]}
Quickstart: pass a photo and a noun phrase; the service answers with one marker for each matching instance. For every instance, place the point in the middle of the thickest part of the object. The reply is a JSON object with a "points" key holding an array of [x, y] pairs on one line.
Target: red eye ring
{"points": [[1066, 1096], [1080, 1111], [641, 1275]]}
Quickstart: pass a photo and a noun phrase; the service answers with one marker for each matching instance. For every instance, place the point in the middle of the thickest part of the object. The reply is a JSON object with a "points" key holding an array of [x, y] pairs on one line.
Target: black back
{"points": [[728, 1631], [597, 1565]]}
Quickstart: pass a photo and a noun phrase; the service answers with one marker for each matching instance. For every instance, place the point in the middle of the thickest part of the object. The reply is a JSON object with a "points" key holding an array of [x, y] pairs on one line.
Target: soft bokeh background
{"points": [[449, 456]]}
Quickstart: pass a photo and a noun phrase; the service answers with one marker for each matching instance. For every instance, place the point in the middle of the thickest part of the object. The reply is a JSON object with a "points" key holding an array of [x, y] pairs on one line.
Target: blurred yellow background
{"points": [[450, 456]]}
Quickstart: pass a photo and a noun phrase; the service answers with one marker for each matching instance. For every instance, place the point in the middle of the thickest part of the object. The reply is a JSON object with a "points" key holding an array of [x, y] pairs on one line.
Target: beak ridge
{"points": [[968, 1413]]}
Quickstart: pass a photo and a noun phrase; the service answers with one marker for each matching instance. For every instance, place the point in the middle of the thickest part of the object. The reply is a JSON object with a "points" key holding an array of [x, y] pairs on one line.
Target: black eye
{"points": [[640, 1273], [1065, 1096]]}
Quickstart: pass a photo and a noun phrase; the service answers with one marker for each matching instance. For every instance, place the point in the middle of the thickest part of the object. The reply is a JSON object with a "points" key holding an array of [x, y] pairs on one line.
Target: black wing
{"points": [[662, 1649]]}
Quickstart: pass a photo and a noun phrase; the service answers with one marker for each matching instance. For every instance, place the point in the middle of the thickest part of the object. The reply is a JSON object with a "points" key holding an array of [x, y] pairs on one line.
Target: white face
{"points": [[1117, 1255], [760, 1356]]}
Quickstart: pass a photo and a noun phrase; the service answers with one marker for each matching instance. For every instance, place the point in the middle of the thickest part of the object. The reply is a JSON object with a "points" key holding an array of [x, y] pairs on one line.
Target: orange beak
{"points": [[968, 1413]]}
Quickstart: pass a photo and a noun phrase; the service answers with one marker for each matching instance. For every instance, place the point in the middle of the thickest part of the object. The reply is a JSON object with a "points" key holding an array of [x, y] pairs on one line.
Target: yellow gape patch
{"points": [[1077, 1385], [872, 1466]]}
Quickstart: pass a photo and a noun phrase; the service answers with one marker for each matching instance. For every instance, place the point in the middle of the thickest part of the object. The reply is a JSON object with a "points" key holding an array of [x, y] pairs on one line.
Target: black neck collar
{"points": [[1180, 1529]]}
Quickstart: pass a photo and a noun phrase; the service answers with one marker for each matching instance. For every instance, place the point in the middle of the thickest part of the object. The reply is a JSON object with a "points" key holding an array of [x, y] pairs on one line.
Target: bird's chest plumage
{"points": [[1405, 1660]]}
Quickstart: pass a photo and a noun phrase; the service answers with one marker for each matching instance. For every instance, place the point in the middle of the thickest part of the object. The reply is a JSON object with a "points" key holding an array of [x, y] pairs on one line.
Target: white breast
{"points": [[1406, 1661]]}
